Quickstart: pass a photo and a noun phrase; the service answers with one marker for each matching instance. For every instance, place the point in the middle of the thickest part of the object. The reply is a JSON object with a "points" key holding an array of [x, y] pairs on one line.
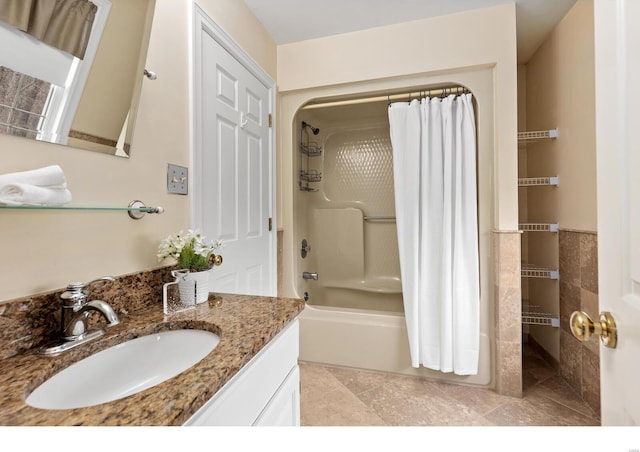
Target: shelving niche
{"points": [[531, 314]]}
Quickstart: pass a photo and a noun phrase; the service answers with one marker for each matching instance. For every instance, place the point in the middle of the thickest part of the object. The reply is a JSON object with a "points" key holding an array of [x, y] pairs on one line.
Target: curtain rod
{"points": [[456, 89]]}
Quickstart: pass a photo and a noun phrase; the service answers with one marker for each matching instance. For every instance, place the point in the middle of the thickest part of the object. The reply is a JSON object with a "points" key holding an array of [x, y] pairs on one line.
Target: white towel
{"points": [[31, 195], [45, 186], [49, 176]]}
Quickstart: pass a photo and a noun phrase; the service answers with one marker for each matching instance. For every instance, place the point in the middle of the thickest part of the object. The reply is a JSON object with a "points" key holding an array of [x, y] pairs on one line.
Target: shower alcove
{"points": [[344, 231]]}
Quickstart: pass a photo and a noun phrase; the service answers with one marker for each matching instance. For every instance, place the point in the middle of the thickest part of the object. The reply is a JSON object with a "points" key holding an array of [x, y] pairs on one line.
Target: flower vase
{"points": [[194, 289]]}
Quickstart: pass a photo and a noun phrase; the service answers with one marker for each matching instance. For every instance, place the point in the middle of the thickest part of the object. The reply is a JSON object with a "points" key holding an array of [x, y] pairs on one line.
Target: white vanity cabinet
{"points": [[266, 391]]}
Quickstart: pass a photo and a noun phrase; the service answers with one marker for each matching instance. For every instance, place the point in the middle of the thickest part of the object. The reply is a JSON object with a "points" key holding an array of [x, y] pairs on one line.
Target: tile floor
{"points": [[332, 396]]}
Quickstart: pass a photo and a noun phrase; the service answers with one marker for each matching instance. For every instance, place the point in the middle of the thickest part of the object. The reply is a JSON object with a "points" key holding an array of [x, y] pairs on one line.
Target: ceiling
{"points": [[298, 20]]}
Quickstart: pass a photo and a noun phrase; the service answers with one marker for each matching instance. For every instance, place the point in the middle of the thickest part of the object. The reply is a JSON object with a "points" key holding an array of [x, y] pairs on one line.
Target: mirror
{"points": [[105, 107]]}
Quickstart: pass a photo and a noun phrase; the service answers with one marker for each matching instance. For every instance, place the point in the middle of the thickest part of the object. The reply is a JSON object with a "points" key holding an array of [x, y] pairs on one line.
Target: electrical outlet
{"points": [[177, 179]]}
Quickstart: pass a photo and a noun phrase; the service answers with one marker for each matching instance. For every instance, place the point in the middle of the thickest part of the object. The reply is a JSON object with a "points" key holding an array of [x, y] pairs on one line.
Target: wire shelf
{"points": [[537, 135], [307, 188], [310, 176], [534, 315], [311, 149], [539, 227], [532, 271], [538, 181]]}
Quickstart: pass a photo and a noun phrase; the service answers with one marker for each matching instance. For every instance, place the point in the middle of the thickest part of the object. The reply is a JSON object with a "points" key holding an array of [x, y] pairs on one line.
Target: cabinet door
{"points": [[244, 398], [284, 408]]}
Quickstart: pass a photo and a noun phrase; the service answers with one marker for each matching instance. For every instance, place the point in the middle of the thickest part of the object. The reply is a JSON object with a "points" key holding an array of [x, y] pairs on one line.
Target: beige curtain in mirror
{"points": [[64, 24]]}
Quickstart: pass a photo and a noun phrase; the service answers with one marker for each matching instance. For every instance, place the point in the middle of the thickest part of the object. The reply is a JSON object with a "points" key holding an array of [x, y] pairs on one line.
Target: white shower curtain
{"points": [[434, 168]]}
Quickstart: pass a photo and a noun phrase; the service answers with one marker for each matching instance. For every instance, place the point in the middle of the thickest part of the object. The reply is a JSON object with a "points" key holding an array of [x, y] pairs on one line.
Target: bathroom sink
{"points": [[124, 369]]}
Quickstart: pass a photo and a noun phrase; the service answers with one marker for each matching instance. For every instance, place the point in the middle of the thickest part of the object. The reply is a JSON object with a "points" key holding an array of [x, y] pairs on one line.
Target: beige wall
{"points": [[522, 168], [236, 19], [560, 93], [560, 86], [48, 250]]}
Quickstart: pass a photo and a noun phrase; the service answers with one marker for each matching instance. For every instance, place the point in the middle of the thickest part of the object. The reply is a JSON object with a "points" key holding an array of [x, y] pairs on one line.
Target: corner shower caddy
{"points": [[534, 315], [308, 150]]}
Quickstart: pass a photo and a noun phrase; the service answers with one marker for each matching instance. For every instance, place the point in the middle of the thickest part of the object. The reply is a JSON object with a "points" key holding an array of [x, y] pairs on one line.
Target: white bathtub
{"points": [[372, 340]]}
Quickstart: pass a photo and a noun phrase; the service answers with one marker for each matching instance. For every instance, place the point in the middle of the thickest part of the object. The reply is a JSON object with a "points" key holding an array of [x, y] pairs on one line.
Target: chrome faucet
{"points": [[309, 275], [75, 313]]}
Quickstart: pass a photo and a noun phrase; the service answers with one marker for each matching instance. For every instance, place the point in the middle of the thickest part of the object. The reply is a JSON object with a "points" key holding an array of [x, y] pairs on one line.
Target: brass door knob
{"points": [[583, 328], [216, 259]]}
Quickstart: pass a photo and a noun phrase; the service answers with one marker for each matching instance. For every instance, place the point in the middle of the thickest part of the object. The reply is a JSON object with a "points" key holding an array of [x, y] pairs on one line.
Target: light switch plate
{"points": [[177, 179]]}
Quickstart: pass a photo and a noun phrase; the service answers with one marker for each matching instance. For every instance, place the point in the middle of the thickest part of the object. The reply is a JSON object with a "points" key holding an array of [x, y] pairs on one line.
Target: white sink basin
{"points": [[124, 369]]}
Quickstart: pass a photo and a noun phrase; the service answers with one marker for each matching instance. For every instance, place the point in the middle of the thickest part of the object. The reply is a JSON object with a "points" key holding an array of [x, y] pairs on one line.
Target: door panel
{"points": [[234, 180], [227, 86], [617, 38], [254, 108], [226, 152], [254, 202]]}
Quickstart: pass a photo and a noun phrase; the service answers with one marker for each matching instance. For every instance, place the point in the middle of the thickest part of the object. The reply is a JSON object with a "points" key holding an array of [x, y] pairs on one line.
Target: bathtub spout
{"points": [[309, 275]]}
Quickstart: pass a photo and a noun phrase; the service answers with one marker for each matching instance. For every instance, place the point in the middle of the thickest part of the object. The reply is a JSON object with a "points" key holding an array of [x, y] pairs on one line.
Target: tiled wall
{"points": [[579, 361], [508, 313]]}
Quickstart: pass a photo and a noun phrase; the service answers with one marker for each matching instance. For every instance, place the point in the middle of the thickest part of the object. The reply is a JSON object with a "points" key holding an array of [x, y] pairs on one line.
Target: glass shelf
{"points": [[136, 209], [123, 209]]}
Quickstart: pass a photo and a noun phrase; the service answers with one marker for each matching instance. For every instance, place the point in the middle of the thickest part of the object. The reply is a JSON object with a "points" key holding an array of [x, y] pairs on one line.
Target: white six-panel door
{"points": [[232, 174], [617, 40]]}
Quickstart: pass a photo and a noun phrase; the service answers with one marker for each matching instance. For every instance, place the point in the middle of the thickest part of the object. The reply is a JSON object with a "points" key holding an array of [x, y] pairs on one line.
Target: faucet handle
{"points": [[79, 285], [74, 295]]}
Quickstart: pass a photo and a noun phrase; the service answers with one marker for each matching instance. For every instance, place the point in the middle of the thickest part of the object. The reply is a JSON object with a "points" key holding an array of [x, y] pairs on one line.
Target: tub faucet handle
{"points": [[304, 248], [309, 275]]}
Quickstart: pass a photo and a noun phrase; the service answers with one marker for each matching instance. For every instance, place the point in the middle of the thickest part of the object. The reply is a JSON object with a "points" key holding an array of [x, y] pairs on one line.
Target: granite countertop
{"points": [[244, 323]]}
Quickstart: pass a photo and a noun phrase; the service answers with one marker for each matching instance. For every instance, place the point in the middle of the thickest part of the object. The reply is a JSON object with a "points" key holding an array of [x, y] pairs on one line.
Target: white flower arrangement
{"points": [[191, 251]]}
